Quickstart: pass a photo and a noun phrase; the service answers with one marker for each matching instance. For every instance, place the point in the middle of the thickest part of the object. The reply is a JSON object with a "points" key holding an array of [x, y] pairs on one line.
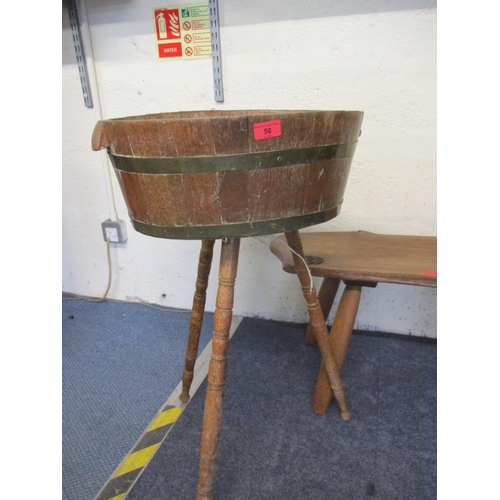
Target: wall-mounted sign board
{"points": [[183, 31], [190, 31]]}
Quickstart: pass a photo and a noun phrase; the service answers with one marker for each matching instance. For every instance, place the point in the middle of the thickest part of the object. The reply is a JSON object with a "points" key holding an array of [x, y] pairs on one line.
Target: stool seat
{"points": [[367, 257]]}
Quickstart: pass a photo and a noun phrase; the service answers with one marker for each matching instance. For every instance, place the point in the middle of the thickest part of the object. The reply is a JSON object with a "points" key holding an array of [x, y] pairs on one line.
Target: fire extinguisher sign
{"points": [[183, 31]]}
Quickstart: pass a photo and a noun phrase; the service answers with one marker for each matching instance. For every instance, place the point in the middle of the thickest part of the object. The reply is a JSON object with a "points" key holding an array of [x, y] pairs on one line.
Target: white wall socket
{"points": [[115, 230]]}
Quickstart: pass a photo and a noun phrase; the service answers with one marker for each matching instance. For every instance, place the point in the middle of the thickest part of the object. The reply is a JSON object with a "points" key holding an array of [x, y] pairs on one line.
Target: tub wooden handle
{"points": [[100, 138]]}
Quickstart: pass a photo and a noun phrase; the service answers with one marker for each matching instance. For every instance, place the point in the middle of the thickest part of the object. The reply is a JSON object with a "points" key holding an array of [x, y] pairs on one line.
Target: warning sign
{"points": [[183, 31]]}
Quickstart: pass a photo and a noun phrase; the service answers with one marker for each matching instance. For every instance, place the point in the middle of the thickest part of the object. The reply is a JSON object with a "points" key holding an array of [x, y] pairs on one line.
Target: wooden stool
{"points": [[226, 175], [359, 259]]}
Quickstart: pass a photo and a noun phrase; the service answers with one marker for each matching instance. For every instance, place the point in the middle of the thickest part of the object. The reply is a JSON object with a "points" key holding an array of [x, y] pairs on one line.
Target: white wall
{"points": [[378, 56]]}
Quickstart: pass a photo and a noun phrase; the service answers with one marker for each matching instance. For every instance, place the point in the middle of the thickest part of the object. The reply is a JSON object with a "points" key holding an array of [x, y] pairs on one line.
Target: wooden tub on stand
{"points": [[226, 175]]}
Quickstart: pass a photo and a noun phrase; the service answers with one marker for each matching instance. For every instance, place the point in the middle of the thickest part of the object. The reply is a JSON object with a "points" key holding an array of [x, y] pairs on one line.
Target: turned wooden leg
{"points": [[217, 368], [318, 322], [326, 296], [197, 313], [339, 342]]}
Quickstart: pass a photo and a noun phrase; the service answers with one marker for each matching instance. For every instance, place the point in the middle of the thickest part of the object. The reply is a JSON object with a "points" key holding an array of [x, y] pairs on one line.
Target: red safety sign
{"points": [[169, 50], [174, 26], [167, 24]]}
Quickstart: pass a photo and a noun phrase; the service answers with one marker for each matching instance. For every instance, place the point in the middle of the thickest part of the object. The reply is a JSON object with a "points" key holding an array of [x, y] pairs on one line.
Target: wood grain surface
{"points": [[370, 257], [241, 196]]}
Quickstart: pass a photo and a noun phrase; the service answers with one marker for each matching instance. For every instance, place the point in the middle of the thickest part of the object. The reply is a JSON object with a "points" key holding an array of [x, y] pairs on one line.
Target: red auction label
{"points": [[266, 130], [430, 273]]}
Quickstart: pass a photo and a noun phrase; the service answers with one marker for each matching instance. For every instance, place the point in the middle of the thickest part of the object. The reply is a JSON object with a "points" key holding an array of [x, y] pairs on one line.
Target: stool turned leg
{"points": [[197, 313], [326, 296], [318, 323], [339, 342], [217, 368]]}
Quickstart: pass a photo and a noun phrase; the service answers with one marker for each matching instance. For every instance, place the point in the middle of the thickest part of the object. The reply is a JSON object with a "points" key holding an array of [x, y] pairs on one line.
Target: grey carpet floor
{"points": [[120, 361], [274, 447]]}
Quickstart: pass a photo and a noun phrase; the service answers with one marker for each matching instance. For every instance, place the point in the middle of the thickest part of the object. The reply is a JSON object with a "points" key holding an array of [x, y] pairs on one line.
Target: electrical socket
{"points": [[115, 230]]}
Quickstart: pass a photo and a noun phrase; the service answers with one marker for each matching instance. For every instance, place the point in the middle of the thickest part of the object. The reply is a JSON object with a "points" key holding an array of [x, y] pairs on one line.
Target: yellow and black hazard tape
{"points": [[125, 476]]}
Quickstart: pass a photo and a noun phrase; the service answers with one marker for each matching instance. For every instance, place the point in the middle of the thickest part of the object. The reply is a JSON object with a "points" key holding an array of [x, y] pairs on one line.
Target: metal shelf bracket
{"points": [[80, 55], [216, 55]]}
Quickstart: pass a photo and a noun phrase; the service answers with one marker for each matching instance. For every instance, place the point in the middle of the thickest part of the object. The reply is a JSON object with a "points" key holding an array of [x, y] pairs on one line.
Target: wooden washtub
{"points": [[203, 174]]}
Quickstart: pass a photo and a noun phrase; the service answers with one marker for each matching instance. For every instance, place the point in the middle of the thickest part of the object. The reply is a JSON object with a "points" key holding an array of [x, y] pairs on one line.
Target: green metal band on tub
{"points": [[250, 161], [238, 230]]}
